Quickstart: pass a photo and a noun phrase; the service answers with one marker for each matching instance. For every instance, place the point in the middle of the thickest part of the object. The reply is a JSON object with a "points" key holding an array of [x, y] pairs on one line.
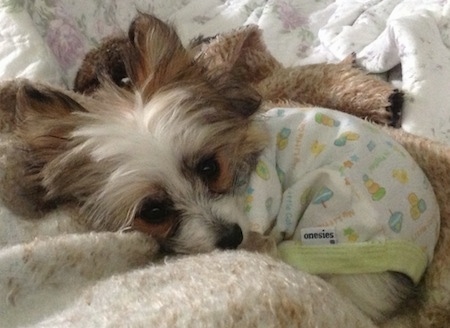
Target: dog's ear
{"points": [[234, 61], [44, 120], [156, 56], [241, 52], [44, 101], [44, 123], [243, 98]]}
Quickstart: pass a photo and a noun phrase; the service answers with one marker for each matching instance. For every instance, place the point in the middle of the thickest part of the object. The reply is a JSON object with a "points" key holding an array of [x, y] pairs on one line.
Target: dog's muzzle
{"points": [[230, 237]]}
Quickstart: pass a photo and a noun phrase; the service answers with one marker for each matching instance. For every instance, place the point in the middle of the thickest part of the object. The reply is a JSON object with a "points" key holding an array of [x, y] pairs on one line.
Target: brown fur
{"points": [[340, 86]]}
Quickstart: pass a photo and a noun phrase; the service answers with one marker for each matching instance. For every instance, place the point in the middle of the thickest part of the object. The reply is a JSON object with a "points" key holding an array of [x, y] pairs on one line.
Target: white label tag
{"points": [[319, 236]]}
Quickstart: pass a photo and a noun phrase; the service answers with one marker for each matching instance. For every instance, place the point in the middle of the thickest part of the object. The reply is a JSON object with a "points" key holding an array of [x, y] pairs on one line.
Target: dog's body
{"points": [[342, 198], [170, 154]]}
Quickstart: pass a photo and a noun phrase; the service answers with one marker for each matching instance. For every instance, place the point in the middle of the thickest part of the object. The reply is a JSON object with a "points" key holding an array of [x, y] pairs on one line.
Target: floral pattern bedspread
{"points": [[408, 39]]}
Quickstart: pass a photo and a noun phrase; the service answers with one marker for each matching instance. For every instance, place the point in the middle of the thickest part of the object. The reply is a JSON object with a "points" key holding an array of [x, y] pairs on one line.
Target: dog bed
{"points": [[55, 273]]}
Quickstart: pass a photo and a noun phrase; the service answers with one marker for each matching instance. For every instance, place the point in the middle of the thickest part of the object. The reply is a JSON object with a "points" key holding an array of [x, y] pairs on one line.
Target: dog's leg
{"points": [[337, 86]]}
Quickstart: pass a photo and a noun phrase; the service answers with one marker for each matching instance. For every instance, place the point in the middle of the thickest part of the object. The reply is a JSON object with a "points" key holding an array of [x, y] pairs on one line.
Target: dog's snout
{"points": [[231, 237]]}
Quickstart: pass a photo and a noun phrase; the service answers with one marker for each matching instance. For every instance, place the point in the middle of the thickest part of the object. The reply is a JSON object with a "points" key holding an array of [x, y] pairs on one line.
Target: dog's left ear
{"points": [[157, 56]]}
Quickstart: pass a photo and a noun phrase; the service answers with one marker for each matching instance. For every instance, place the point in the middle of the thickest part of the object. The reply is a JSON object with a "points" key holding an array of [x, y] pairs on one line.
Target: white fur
{"points": [[144, 148]]}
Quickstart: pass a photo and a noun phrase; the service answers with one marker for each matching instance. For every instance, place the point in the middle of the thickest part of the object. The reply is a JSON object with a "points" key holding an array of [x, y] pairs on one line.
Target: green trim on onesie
{"points": [[352, 258]]}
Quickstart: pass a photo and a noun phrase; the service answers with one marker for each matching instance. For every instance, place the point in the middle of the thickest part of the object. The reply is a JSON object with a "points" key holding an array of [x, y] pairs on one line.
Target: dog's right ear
{"points": [[157, 55], [43, 126], [241, 52], [38, 104], [44, 122]]}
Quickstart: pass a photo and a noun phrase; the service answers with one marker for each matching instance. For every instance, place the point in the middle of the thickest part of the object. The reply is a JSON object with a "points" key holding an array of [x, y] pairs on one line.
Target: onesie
{"points": [[340, 196]]}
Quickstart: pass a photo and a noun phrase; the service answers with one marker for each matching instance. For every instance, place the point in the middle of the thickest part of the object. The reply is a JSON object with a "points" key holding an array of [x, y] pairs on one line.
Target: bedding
{"points": [[54, 272]]}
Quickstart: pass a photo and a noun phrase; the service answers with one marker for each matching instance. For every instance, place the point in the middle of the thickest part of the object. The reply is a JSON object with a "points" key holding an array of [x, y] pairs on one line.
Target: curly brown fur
{"points": [[338, 86], [342, 86]]}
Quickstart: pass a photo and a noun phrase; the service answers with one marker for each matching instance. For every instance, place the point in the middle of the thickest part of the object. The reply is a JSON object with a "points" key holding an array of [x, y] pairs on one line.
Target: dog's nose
{"points": [[231, 237]]}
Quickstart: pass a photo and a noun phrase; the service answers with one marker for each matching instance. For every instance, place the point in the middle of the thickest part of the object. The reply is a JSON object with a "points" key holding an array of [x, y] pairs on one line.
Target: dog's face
{"points": [[171, 157]]}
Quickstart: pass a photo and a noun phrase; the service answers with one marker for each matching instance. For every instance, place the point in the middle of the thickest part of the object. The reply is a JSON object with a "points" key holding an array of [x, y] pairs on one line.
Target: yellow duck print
{"points": [[248, 203], [283, 138], [351, 235], [317, 148], [344, 137], [262, 170], [326, 120], [418, 206], [400, 175], [374, 188], [249, 200]]}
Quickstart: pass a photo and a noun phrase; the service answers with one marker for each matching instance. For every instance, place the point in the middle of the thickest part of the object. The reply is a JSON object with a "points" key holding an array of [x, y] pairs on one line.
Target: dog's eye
{"points": [[208, 169], [154, 212]]}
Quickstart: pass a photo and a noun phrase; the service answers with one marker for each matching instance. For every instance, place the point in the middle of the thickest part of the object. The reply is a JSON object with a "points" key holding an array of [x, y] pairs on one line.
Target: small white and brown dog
{"points": [[170, 156]]}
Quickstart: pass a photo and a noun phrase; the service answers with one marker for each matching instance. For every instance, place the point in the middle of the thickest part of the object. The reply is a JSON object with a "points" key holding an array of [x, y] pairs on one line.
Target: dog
{"points": [[169, 152], [169, 158]]}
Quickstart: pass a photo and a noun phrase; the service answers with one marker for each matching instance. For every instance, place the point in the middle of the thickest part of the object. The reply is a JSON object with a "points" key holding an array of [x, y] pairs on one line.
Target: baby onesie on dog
{"points": [[341, 196]]}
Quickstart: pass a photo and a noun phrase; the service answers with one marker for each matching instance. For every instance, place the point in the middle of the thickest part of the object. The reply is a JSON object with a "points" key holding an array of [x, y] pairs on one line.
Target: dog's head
{"points": [[171, 157]]}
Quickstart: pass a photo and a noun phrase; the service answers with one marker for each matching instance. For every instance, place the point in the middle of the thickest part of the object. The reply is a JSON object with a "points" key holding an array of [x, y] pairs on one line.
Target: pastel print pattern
{"points": [[418, 206], [400, 175], [283, 138], [324, 195], [351, 234], [344, 137], [326, 120], [374, 188], [317, 148], [262, 170], [395, 221]]}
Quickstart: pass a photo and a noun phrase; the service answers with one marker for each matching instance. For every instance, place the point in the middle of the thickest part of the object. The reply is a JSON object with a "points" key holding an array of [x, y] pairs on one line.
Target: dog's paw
{"points": [[350, 60], [395, 107], [256, 242], [385, 109]]}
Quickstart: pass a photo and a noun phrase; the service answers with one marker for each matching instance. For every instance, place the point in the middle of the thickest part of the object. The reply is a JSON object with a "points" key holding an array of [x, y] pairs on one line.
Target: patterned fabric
{"points": [[335, 189]]}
